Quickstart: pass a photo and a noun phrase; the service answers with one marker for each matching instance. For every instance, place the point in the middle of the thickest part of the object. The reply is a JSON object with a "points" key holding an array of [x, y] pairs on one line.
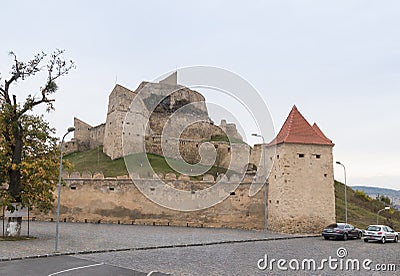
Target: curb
{"points": [[86, 252]]}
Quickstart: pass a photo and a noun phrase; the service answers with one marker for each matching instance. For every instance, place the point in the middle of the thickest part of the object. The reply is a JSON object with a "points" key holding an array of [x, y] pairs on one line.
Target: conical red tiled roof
{"points": [[297, 130]]}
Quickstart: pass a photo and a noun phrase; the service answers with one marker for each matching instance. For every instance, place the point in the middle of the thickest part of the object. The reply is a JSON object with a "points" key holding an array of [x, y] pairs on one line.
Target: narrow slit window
{"points": [[301, 155], [318, 156]]}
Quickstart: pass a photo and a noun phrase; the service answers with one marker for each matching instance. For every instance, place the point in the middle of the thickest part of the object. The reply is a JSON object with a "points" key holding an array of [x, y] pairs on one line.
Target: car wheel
{"points": [[365, 240], [383, 240], [326, 238], [396, 239], [345, 237], [359, 235]]}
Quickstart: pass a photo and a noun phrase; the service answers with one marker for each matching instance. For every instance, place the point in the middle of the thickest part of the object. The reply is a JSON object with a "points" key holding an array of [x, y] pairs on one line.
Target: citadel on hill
{"points": [[109, 134], [300, 186]]}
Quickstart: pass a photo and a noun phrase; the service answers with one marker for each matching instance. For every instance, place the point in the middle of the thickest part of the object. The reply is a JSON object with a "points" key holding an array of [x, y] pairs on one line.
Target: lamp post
{"points": [[345, 188], [70, 129], [377, 215], [264, 184]]}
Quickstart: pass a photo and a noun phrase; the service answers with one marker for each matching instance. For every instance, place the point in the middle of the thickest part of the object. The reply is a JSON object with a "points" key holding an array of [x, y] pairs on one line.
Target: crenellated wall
{"points": [[92, 198]]}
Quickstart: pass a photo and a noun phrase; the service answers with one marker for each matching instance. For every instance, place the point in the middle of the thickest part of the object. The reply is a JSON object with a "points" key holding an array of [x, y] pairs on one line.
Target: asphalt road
{"points": [[184, 251], [65, 266], [242, 258], [245, 258]]}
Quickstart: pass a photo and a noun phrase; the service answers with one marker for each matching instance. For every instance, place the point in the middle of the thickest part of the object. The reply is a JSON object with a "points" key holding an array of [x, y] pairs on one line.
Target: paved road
{"points": [[181, 251], [65, 266], [242, 258], [220, 259]]}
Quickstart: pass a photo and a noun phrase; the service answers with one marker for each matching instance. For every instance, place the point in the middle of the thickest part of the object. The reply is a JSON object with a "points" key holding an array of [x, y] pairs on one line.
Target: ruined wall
{"points": [[97, 136], [301, 193], [118, 103], [115, 200], [85, 138], [71, 146], [230, 130], [82, 130]]}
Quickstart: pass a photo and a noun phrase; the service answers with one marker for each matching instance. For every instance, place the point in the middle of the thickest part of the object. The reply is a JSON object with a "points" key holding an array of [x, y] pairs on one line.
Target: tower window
{"points": [[277, 157], [318, 156], [301, 155]]}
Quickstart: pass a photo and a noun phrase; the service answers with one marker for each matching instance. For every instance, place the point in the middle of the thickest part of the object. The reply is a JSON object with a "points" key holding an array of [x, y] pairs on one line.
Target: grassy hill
{"points": [[361, 209], [96, 161]]}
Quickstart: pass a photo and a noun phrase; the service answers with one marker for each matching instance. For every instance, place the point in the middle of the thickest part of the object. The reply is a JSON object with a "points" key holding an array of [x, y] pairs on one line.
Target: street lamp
{"points": [[70, 129], [345, 187], [265, 183], [377, 215]]}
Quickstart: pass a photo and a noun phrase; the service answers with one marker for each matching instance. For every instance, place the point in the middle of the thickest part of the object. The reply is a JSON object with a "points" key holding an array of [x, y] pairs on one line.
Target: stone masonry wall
{"points": [[117, 200], [301, 188]]}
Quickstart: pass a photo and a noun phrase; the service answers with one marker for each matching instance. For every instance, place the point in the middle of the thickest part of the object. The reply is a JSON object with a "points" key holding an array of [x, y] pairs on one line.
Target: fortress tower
{"points": [[301, 195], [158, 101]]}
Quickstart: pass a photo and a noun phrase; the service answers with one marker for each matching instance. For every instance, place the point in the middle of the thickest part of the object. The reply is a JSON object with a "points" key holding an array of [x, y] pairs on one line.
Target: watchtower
{"points": [[301, 196]]}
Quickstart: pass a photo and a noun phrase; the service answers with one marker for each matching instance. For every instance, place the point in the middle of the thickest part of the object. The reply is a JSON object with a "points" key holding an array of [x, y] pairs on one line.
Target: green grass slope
{"points": [[97, 161], [362, 210]]}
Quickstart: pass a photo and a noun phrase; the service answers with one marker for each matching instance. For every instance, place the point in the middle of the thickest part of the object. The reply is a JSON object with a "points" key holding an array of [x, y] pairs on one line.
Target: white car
{"points": [[380, 233]]}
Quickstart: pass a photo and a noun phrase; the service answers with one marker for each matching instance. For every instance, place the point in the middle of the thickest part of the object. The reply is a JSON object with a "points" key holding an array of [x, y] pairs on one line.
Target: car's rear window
{"points": [[334, 225], [373, 228]]}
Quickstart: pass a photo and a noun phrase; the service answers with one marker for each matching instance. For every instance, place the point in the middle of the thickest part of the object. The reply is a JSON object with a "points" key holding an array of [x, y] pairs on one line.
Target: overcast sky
{"points": [[338, 61]]}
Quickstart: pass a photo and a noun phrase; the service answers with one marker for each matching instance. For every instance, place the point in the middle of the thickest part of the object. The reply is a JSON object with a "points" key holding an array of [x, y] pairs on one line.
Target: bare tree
{"points": [[14, 112]]}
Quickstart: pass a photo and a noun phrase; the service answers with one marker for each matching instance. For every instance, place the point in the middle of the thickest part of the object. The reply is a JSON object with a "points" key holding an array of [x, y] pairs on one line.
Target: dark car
{"points": [[341, 231]]}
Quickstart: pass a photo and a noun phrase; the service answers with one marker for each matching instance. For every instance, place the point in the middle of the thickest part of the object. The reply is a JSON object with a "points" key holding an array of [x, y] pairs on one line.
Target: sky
{"points": [[337, 61]]}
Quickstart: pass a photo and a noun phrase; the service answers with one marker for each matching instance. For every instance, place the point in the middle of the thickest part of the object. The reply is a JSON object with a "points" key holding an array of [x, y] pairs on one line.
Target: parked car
{"points": [[380, 233], [341, 231]]}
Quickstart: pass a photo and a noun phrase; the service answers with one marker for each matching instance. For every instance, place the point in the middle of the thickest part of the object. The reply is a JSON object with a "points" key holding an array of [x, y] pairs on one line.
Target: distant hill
{"points": [[362, 209], [375, 192]]}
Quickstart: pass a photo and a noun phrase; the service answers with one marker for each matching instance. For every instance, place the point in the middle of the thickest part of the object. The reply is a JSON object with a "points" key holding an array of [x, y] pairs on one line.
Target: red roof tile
{"points": [[297, 130], [320, 133]]}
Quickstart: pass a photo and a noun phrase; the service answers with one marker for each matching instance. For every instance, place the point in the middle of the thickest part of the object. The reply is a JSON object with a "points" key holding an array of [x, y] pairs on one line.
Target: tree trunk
{"points": [[15, 187], [13, 228]]}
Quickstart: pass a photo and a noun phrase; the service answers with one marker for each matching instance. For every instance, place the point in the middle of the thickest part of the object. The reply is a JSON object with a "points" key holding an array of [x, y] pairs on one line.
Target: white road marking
{"points": [[75, 268], [151, 272]]}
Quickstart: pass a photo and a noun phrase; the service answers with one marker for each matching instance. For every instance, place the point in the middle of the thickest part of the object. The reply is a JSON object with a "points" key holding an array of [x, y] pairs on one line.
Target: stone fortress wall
{"points": [[93, 198], [300, 186]]}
